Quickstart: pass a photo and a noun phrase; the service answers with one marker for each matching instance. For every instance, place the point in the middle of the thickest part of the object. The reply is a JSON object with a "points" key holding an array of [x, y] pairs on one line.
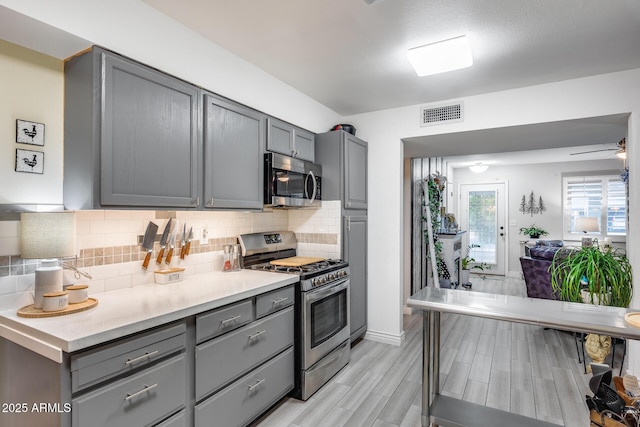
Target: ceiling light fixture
{"points": [[439, 57], [478, 168]]}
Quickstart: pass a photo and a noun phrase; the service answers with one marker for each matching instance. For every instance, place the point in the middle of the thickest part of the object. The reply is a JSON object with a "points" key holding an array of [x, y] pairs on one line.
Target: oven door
{"points": [[325, 316]]}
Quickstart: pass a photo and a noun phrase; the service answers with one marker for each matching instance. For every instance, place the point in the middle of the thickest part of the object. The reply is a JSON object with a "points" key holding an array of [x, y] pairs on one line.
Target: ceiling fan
{"points": [[621, 150]]}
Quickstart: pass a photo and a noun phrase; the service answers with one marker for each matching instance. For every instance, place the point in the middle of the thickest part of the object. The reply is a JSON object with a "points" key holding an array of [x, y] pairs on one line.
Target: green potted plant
{"points": [[603, 275], [597, 276], [468, 263], [533, 231]]}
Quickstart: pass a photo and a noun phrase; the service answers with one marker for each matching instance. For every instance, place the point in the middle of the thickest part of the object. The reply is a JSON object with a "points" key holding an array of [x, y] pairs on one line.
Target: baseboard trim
{"points": [[384, 337]]}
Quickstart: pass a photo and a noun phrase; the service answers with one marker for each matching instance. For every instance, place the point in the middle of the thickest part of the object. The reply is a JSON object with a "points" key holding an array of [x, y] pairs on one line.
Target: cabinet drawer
{"points": [[178, 420], [94, 366], [245, 399], [138, 400], [225, 319], [225, 358], [274, 301]]}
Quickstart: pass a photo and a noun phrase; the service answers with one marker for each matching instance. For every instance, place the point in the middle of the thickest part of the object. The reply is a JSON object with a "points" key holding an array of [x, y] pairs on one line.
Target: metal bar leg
{"points": [[435, 360], [624, 353], [426, 355]]}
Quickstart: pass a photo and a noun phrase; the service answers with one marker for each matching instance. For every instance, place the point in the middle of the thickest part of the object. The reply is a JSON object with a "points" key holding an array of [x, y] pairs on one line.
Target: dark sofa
{"points": [[535, 268]]}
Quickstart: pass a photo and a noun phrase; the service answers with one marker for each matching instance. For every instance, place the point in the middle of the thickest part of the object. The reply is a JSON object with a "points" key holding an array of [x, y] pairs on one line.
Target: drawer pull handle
{"points": [[229, 320], [146, 389], [147, 355], [253, 387], [256, 336], [279, 301]]}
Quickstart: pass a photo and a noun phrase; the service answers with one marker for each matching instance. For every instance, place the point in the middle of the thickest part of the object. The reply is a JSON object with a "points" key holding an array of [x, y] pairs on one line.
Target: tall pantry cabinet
{"points": [[343, 157]]}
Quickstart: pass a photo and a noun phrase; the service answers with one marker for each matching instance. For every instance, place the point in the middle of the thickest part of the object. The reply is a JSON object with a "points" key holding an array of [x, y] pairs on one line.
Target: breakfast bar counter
{"points": [[447, 411]]}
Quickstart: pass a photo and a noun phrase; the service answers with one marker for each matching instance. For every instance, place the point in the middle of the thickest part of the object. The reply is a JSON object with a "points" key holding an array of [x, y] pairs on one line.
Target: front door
{"points": [[482, 214]]}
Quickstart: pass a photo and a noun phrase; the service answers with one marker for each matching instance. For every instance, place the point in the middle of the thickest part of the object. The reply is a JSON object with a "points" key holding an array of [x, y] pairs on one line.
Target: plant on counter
{"points": [[604, 274], [533, 231]]}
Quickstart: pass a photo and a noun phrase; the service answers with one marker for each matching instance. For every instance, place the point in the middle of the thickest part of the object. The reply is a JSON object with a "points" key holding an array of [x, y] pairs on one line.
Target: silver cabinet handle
{"points": [[229, 320], [210, 202], [279, 301], [253, 387], [256, 336], [146, 388], [196, 202], [147, 355]]}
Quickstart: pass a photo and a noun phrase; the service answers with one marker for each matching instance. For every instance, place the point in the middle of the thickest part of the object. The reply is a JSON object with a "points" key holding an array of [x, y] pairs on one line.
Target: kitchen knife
{"points": [[163, 241], [147, 242], [189, 238], [172, 243], [184, 238]]}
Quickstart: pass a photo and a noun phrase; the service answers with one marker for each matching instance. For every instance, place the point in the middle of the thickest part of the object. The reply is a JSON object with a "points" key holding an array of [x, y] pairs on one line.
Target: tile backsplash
{"points": [[107, 245]]}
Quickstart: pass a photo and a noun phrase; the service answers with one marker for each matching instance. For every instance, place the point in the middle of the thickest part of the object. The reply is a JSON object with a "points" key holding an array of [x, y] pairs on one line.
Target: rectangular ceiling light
{"points": [[439, 57]]}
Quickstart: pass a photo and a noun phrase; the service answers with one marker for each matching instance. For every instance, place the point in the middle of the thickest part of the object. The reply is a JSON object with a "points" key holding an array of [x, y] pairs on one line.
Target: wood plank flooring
{"points": [[514, 367]]}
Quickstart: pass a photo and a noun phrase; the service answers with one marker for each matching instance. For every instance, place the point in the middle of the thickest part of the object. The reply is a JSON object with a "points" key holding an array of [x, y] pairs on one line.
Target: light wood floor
{"points": [[514, 367]]}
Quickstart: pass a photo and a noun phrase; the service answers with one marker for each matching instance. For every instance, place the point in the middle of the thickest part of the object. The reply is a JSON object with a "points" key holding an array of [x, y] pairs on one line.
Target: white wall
{"points": [[613, 93]]}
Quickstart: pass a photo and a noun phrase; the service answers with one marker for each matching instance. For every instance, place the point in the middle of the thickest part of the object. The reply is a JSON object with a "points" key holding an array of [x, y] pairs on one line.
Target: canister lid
{"points": [[76, 287], [55, 294]]}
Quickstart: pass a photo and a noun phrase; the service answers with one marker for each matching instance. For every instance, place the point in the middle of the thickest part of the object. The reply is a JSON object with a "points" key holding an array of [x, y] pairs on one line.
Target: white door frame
{"points": [[504, 257]]}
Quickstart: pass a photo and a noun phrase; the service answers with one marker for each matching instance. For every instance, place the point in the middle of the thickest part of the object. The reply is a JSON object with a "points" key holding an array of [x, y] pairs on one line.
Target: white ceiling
{"points": [[350, 56]]}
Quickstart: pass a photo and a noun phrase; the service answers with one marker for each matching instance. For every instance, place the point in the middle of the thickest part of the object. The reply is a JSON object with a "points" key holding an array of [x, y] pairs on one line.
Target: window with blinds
{"points": [[600, 198]]}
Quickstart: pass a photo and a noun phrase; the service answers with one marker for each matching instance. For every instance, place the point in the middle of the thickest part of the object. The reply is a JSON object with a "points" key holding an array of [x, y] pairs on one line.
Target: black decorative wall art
{"points": [[29, 161], [29, 132], [531, 205]]}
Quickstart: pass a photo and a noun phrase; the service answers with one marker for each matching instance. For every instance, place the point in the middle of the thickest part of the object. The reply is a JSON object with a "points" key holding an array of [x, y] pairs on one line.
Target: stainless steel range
{"points": [[322, 343]]}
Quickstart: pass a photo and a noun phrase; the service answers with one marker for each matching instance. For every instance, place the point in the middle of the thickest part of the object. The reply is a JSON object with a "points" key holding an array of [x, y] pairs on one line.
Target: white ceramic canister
{"points": [[77, 293], [48, 279], [55, 301]]}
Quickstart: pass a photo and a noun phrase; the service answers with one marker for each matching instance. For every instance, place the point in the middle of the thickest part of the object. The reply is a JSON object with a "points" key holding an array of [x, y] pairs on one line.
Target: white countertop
{"points": [[132, 310]]}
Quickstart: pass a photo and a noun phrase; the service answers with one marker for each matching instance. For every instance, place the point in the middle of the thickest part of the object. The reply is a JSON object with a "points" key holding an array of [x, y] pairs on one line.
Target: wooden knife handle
{"points": [[160, 256], [169, 255], [147, 258], [182, 251], [188, 248]]}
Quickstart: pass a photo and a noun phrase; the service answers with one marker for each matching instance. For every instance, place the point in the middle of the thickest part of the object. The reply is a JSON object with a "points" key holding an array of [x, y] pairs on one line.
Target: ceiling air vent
{"points": [[435, 115]]}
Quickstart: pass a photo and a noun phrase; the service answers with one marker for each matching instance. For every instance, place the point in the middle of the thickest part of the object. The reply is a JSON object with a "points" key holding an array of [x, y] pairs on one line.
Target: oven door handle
{"points": [[306, 186], [323, 292]]}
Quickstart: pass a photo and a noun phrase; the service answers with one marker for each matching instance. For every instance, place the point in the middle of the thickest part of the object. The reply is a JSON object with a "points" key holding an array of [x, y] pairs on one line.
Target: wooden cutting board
{"points": [[296, 261]]}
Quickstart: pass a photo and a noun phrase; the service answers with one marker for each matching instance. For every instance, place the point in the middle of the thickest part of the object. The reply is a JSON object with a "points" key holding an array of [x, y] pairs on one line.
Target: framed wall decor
{"points": [[29, 161], [29, 132]]}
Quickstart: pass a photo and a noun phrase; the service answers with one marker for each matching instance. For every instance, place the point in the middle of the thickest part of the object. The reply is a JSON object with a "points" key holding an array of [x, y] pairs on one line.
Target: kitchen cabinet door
{"points": [[233, 141], [344, 168], [355, 172], [131, 135], [305, 145], [354, 251], [289, 140]]}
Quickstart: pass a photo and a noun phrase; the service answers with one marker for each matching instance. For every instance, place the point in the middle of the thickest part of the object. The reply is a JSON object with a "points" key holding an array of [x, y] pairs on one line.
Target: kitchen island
{"points": [[136, 352], [447, 411]]}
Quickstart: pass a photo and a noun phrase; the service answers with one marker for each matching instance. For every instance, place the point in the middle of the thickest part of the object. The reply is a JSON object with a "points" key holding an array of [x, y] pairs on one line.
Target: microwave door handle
{"points": [[315, 186]]}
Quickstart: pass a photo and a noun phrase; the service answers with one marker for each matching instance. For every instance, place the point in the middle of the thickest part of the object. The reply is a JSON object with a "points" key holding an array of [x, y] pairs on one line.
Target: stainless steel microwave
{"points": [[291, 182]]}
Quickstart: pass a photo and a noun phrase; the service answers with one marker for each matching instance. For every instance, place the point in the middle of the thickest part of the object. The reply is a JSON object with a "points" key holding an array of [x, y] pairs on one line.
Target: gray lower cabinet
{"points": [[354, 251], [233, 149], [131, 135], [240, 402], [223, 367], [138, 400], [289, 140], [344, 168], [223, 359]]}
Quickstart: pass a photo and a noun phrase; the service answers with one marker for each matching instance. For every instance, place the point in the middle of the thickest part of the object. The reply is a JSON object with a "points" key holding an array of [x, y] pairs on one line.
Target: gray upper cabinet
{"points": [[344, 168], [289, 140], [131, 135], [233, 149]]}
